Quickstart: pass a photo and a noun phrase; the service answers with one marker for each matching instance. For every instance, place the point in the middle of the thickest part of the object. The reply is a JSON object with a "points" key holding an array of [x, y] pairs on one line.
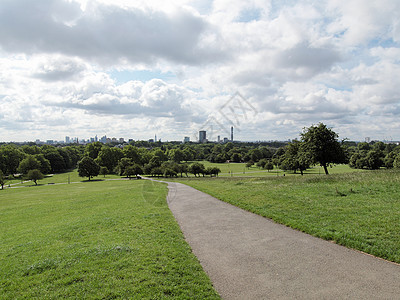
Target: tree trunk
{"points": [[325, 169]]}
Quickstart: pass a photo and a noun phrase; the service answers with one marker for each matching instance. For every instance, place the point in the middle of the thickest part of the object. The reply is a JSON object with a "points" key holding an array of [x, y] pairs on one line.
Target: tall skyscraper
{"points": [[202, 136], [232, 134]]}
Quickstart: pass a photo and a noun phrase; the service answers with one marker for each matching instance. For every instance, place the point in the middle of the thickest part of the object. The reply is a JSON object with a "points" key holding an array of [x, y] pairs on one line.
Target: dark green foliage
{"points": [[27, 164], [57, 161], [2, 179], [87, 167], [35, 175], [133, 154], [197, 169], [10, 158], [93, 149], [103, 171], [133, 170], [321, 143], [213, 171], [45, 166], [109, 157]]}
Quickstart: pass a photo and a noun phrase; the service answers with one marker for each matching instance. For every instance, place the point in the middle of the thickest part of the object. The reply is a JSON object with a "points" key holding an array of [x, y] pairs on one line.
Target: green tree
{"points": [[269, 166], [103, 171], [133, 170], [2, 179], [35, 175], [322, 146], [10, 157], [236, 157], [45, 166], [27, 164], [57, 161], [87, 167], [197, 168], [132, 153], [123, 164], [109, 157], [374, 159], [93, 149], [396, 162], [213, 171], [176, 155]]}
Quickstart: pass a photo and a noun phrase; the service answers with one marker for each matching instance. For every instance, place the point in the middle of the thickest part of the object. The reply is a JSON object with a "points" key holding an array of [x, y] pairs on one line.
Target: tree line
{"points": [[318, 144]]}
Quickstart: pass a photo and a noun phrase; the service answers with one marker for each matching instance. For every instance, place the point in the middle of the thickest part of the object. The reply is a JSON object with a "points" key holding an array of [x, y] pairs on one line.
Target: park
{"points": [[91, 232]]}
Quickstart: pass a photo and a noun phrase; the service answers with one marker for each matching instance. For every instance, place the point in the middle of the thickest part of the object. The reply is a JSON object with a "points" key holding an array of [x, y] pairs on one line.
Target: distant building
{"points": [[121, 140], [226, 140], [202, 136], [67, 140], [151, 141], [232, 134], [186, 139], [367, 139]]}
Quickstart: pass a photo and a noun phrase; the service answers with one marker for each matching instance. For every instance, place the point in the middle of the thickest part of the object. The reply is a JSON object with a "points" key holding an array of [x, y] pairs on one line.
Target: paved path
{"points": [[251, 257]]}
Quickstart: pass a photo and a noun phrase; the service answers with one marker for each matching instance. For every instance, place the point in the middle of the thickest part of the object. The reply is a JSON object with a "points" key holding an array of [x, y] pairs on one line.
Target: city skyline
{"points": [[268, 68]]}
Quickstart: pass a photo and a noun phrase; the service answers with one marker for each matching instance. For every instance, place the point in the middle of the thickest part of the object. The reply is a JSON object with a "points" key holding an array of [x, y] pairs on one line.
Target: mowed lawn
{"points": [[240, 170], [358, 210], [103, 240]]}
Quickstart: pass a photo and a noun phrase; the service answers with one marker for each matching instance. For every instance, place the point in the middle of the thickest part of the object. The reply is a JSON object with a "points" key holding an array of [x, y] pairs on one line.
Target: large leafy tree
{"points": [[295, 157], [35, 175], [10, 158], [87, 167], [109, 157], [28, 163], [92, 150], [322, 145]]}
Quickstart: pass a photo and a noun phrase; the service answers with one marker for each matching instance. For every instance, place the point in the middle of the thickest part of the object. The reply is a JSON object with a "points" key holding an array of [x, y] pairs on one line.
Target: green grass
{"points": [[110, 239], [357, 210], [240, 170], [66, 177]]}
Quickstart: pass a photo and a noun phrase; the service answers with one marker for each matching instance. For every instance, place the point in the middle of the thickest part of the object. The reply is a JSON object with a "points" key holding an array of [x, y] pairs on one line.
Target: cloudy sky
{"points": [[137, 68]]}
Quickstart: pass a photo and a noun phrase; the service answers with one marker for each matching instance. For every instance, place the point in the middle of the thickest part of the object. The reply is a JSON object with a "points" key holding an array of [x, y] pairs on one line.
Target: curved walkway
{"points": [[250, 257]]}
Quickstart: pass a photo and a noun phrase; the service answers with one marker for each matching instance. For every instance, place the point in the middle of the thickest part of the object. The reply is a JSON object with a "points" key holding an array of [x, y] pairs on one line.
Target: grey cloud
{"points": [[59, 70], [314, 60], [105, 34], [155, 98]]}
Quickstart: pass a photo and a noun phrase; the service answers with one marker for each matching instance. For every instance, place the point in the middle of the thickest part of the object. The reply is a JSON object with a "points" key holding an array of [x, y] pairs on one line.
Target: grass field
{"points": [[68, 177], [103, 240], [240, 170], [358, 210]]}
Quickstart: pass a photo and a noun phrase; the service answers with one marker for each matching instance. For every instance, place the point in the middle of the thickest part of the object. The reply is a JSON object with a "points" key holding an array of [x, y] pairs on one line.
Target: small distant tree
{"points": [[2, 179], [197, 168], [35, 175], [213, 171], [269, 166], [103, 171], [168, 172], [157, 171], [249, 164], [236, 157], [87, 167]]}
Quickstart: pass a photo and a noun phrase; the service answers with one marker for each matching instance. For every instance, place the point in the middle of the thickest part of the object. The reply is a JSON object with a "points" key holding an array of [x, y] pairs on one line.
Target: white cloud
{"points": [[297, 62]]}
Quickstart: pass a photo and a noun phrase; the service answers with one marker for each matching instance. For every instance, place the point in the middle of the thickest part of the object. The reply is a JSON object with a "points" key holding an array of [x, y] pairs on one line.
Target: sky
{"points": [[140, 68]]}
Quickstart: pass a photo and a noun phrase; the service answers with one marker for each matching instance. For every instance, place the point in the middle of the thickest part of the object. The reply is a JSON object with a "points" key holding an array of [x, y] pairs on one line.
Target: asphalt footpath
{"points": [[250, 257]]}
